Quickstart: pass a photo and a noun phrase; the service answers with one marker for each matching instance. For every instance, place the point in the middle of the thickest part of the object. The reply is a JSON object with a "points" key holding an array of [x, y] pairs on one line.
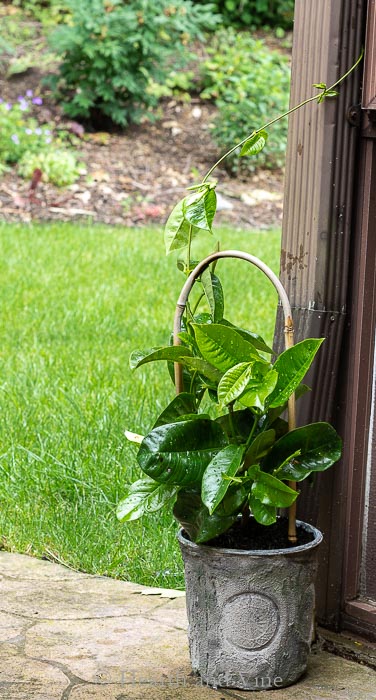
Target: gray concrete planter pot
{"points": [[250, 613]]}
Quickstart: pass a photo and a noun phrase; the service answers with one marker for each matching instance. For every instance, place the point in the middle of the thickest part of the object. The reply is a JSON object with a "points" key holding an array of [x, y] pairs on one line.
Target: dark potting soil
{"points": [[252, 535]]}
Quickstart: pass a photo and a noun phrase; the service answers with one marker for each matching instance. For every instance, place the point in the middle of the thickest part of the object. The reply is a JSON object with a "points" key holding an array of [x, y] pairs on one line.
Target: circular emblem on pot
{"points": [[250, 621]]}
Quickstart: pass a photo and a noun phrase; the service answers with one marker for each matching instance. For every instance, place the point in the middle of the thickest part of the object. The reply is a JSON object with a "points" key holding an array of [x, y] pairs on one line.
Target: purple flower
{"points": [[37, 101], [38, 131], [48, 139], [28, 131], [29, 93], [47, 132], [15, 139], [1, 100], [23, 106], [8, 106]]}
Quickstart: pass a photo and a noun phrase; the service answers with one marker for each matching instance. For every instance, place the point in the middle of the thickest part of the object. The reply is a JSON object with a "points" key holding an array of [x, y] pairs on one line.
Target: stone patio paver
{"points": [[72, 636]]}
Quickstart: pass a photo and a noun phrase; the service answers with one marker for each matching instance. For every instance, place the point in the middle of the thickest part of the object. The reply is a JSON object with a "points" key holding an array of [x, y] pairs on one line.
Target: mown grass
{"points": [[75, 300]]}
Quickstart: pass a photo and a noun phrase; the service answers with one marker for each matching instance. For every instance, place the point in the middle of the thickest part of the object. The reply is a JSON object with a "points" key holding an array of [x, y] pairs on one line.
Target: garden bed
{"points": [[132, 176]]}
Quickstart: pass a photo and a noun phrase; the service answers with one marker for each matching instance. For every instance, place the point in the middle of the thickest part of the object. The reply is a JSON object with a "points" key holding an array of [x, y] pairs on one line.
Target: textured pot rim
{"points": [[287, 551]]}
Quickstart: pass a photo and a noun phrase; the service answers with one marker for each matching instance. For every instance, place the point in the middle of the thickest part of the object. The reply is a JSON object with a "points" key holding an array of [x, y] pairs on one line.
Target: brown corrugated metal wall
{"points": [[318, 229]]}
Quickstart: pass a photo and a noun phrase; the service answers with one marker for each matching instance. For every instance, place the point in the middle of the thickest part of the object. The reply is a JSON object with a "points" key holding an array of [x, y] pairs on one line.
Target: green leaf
{"points": [[253, 338], [174, 353], [177, 229], [214, 485], [271, 491], [181, 405], [144, 496], [233, 501], [291, 366], [331, 93], [223, 347], [254, 144], [265, 515], [234, 382], [178, 453], [320, 86], [260, 446], [260, 386], [203, 367], [199, 209], [239, 425], [319, 446], [214, 294], [196, 520]]}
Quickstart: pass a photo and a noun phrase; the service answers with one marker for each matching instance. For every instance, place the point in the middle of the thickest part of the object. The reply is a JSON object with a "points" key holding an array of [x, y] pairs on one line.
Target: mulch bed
{"points": [[136, 176]]}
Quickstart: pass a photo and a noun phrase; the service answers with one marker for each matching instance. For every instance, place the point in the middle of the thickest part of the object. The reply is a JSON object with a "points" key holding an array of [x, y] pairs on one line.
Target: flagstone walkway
{"points": [[67, 635]]}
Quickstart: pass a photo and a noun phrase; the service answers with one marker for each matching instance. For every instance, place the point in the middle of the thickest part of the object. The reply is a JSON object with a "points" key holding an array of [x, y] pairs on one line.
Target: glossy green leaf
{"points": [[177, 230], [199, 209], [256, 340], [223, 347], [239, 425], [233, 501], [271, 491], [291, 366], [203, 367], [260, 386], [180, 405], [264, 514], [234, 382], [144, 496], [254, 144], [214, 294], [274, 413], [214, 485], [260, 446], [174, 353], [196, 520], [178, 453], [319, 446]]}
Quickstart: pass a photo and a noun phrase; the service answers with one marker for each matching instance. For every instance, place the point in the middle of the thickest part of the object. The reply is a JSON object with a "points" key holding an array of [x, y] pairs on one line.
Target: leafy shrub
{"points": [[111, 50], [58, 166], [256, 13], [249, 83]]}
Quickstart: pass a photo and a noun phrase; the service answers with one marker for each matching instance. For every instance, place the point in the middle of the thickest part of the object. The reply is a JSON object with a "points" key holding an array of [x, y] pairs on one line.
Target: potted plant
{"points": [[223, 455]]}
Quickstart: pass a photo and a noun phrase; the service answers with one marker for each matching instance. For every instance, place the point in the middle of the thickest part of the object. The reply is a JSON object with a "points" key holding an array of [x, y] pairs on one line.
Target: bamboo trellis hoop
{"points": [[288, 332]]}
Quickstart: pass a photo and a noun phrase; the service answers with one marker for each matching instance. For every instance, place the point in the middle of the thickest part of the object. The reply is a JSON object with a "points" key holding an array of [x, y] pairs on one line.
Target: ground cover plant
{"points": [[69, 322]]}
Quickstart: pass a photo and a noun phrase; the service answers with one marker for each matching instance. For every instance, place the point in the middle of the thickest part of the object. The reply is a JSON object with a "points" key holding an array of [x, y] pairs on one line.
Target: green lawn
{"points": [[75, 300]]}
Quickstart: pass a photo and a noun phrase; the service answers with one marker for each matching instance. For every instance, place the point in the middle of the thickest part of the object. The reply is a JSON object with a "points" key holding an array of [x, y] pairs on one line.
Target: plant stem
{"points": [[231, 418], [250, 436], [282, 116], [197, 303], [189, 250]]}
